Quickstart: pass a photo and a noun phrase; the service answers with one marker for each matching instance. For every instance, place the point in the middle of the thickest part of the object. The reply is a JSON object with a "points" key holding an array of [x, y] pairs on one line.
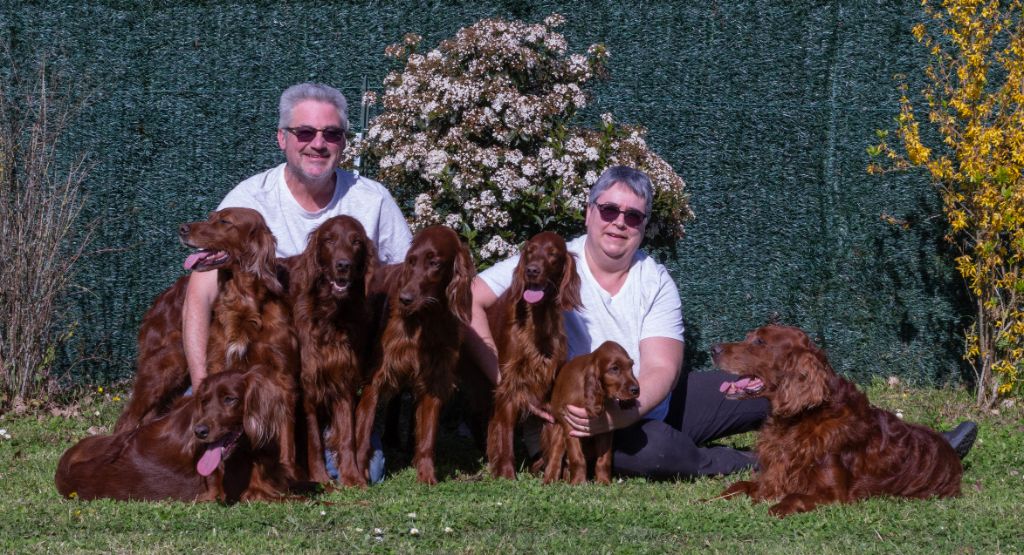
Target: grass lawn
{"points": [[469, 512]]}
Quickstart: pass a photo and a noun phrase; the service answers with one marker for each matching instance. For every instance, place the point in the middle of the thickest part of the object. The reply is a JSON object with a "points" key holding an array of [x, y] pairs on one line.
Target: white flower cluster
{"points": [[478, 132]]}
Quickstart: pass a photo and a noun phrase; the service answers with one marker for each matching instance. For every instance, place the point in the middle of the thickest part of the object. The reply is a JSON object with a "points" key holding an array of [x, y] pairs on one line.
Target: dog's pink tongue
{"points": [[533, 295], [209, 461], [192, 259], [734, 387]]}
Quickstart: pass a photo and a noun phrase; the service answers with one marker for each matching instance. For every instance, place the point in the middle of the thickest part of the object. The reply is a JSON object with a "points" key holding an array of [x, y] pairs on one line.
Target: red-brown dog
{"points": [[211, 446], [236, 240], [587, 381], [823, 442], [429, 300], [530, 337], [251, 327], [329, 284]]}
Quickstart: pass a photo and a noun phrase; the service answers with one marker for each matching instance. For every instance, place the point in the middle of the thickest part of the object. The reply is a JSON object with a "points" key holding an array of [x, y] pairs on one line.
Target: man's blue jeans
{"points": [[376, 461]]}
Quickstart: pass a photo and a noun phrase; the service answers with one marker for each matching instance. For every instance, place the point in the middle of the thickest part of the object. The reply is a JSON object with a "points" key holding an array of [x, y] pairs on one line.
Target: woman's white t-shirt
{"points": [[646, 306]]}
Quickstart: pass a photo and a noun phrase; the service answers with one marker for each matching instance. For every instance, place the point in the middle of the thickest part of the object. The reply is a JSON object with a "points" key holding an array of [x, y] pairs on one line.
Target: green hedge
{"points": [[765, 108]]}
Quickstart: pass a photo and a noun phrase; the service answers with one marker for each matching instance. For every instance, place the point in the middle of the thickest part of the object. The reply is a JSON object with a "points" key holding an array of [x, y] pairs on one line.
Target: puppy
{"points": [[587, 381]]}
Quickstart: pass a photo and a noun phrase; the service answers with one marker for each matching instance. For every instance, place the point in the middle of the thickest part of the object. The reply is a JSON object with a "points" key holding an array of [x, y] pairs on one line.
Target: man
{"points": [[296, 197], [630, 298]]}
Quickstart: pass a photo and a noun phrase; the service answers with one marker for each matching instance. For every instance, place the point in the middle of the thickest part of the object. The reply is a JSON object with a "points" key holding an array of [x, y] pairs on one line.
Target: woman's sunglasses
{"points": [[610, 211], [307, 134]]}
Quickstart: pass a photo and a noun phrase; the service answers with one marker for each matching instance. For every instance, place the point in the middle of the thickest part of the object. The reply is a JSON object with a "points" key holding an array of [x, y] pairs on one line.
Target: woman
{"points": [[630, 298]]}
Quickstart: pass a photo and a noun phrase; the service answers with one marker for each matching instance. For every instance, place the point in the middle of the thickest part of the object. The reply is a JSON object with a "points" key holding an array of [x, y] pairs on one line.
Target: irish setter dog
{"points": [[429, 300], [161, 370], [250, 330], [328, 284], [529, 333], [823, 442], [587, 381], [210, 446]]}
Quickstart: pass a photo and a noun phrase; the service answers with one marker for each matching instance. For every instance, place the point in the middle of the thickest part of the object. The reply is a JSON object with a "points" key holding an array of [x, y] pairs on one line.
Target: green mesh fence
{"points": [[765, 108]]}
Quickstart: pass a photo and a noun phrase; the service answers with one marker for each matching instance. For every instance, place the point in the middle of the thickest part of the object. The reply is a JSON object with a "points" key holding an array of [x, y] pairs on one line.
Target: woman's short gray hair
{"points": [[311, 91], [636, 180]]}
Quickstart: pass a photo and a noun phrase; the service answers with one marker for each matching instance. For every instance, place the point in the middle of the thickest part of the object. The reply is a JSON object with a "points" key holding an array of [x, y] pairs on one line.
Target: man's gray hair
{"points": [[311, 91], [636, 180]]}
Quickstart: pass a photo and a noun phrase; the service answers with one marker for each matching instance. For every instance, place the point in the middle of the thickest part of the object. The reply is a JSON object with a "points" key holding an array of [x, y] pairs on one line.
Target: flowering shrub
{"points": [[478, 132], [974, 91]]}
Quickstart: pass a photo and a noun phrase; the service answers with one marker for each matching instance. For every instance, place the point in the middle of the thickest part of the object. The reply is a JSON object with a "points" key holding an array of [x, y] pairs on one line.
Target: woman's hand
{"points": [[542, 412], [586, 426]]}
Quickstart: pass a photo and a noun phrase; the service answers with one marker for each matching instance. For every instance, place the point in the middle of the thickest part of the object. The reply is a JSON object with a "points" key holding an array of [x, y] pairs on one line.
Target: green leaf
{"points": [[1002, 177]]}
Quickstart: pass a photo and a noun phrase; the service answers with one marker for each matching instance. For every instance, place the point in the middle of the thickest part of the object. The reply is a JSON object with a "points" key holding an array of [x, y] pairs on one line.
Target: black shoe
{"points": [[754, 464], [962, 437]]}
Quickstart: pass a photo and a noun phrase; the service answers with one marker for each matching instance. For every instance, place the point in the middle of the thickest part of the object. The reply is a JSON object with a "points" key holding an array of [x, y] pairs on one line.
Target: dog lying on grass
{"points": [[823, 441]]}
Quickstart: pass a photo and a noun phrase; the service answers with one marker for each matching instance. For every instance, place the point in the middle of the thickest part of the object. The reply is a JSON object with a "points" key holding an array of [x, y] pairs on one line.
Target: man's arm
{"points": [[661, 362], [195, 322], [481, 341]]}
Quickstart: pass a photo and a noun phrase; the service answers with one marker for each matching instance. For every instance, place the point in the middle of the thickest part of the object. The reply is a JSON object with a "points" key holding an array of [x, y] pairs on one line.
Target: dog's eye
{"points": [[614, 369], [435, 263], [229, 400], [758, 341]]}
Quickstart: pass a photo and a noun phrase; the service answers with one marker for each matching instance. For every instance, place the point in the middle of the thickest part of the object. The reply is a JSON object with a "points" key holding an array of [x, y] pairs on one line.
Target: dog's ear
{"points": [[459, 292], [569, 289], [262, 258], [802, 382], [518, 286], [304, 267], [265, 409], [593, 386], [370, 262]]}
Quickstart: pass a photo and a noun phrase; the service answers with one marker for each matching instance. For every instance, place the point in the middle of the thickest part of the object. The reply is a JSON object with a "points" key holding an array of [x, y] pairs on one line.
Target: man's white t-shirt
{"points": [[363, 199]]}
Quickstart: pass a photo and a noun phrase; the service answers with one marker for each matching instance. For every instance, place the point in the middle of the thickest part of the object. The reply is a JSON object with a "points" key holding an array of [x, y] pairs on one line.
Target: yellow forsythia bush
{"points": [[974, 100]]}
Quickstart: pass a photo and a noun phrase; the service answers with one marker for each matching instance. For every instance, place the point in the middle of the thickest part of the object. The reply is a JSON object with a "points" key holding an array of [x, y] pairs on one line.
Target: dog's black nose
{"points": [[716, 349], [343, 265], [183, 230], [634, 390], [406, 298], [202, 430], [532, 271]]}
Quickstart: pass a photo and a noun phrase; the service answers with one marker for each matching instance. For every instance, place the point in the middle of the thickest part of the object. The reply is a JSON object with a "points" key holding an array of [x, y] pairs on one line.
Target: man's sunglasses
{"points": [[307, 134], [610, 211]]}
